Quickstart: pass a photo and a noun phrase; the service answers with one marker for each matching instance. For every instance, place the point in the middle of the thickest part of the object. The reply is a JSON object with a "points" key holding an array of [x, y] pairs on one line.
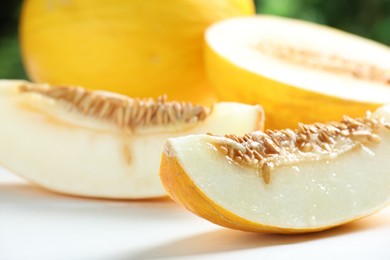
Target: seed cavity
{"points": [[123, 111], [326, 62], [266, 150]]}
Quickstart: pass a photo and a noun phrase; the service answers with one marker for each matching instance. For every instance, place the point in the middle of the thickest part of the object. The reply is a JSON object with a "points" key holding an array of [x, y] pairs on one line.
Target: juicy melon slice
{"points": [[100, 144], [299, 71], [276, 182]]}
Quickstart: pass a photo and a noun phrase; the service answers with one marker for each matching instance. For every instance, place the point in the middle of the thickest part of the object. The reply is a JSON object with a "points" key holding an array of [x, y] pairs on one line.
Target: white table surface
{"points": [[37, 224]]}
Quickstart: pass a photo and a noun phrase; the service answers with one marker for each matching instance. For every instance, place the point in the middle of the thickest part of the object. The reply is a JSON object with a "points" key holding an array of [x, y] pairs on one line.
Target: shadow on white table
{"points": [[38, 224]]}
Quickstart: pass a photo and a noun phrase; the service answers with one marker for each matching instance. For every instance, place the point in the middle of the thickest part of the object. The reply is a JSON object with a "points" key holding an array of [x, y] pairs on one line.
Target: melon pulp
{"points": [[100, 144], [134, 47], [299, 71], [341, 178]]}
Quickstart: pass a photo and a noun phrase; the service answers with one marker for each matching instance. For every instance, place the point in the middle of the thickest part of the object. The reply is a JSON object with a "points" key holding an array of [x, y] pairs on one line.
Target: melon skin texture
{"points": [[239, 70], [139, 48], [73, 153], [301, 197]]}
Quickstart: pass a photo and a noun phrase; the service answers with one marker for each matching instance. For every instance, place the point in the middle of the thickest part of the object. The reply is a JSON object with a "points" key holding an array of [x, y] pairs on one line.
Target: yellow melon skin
{"points": [[134, 47], [284, 105], [183, 190]]}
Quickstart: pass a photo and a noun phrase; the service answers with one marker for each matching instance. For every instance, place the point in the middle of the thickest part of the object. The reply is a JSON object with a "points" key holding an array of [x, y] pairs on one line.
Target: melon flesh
{"points": [[68, 152], [301, 197]]}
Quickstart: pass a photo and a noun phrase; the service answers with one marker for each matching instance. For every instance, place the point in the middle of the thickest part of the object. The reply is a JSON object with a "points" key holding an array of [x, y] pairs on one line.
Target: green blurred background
{"points": [[368, 18]]}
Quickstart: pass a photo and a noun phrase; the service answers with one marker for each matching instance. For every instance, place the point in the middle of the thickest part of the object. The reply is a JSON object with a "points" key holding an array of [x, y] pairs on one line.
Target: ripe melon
{"points": [[134, 47], [101, 144], [299, 71], [286, 181]]}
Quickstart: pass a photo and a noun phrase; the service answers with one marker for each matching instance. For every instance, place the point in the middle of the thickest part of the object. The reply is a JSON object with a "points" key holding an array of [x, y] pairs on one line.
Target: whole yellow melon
{"points": [[135, 47]]}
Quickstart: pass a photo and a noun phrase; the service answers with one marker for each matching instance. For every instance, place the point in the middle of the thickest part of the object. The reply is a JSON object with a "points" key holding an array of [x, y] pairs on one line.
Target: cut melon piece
{"points": [[298, 71], [101, 144], [287, 181]]}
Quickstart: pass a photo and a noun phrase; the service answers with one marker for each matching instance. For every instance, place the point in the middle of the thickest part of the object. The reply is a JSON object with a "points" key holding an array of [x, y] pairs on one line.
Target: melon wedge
{"points": [[288, 181], [101, 144], [298, 71]]}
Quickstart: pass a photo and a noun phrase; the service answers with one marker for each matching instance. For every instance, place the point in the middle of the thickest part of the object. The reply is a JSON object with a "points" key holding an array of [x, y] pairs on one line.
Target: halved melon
{"points": [[298, 71], [287, 181], [101, 144]]}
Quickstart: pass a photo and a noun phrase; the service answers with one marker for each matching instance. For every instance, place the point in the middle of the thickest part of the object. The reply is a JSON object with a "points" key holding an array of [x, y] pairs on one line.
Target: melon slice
{"points": [[298, 71], [287, 181], [101, 144]]}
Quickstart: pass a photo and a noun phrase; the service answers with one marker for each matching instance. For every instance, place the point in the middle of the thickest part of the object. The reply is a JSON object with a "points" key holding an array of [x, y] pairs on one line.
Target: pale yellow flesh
{"points": [[304, 197], [70, 153]]}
